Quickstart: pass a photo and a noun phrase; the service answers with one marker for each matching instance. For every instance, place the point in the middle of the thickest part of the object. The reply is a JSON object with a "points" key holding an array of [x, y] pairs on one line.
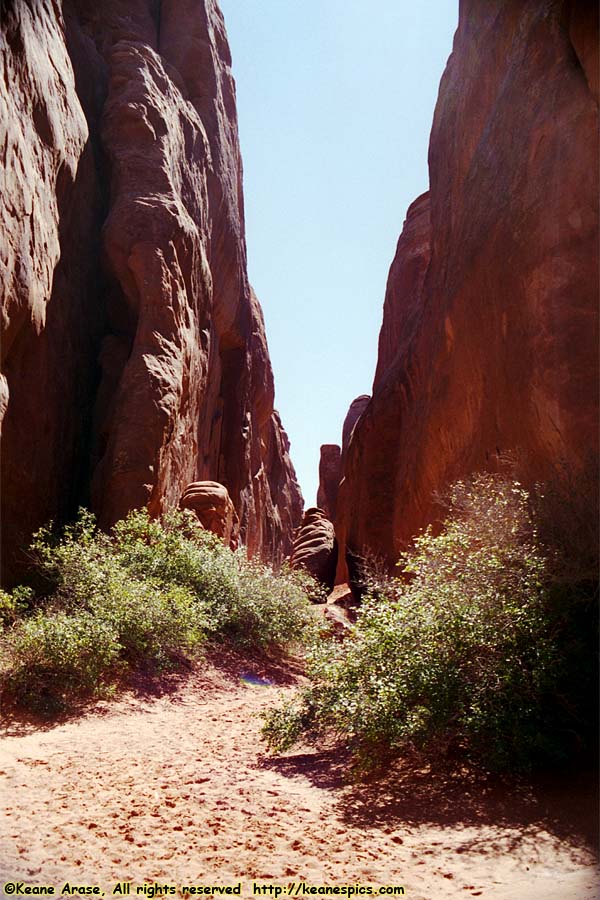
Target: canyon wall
{"points": [[489, 342], [134, 357]]}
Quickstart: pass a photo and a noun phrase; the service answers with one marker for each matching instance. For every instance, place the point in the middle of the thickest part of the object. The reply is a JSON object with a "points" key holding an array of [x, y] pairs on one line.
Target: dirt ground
{"points": [[172, 786]]}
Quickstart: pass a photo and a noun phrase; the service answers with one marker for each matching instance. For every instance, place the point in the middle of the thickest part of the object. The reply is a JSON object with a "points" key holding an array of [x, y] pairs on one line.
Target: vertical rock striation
{"points": [[489, 341], [134, 353], [50, 207]]}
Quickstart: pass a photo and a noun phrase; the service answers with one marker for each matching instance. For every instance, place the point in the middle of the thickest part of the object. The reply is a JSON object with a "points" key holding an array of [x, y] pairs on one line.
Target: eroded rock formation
{"points": [[329, 479], [355, 411], [489, 341], [134, 355], [315, 547], [213, 507]]}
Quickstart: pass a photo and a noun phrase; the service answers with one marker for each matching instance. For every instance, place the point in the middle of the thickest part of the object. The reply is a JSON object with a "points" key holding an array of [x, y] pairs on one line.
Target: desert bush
{"points": [[244, 601], [144, 596], [462, 654], [53, 656], [270, 609], [14, 604]]}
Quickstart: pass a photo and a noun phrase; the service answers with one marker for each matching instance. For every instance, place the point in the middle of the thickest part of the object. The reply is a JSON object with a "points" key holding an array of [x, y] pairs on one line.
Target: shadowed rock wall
{"points": [[134, 355], [489, 340]]}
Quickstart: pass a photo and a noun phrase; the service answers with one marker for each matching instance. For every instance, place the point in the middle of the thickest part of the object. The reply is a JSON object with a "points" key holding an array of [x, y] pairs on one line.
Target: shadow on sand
{"points": [[412, 792], [254, 669]]}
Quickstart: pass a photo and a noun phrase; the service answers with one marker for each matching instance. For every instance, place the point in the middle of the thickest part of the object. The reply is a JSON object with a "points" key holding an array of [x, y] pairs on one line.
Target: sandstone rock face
{"points": [[213, 507], [134, 353], [315, 547], [329, 479], [355, 411], [489, 340], [50, 205]]}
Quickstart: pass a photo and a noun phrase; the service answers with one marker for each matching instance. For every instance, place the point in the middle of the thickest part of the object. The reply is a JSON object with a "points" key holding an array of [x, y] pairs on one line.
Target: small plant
{"points": [[14, 604], [461, 654]]}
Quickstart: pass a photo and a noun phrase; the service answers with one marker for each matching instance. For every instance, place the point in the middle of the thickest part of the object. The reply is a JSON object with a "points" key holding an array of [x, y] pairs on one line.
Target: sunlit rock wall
{"points": [[134, 356], [489, 340]]}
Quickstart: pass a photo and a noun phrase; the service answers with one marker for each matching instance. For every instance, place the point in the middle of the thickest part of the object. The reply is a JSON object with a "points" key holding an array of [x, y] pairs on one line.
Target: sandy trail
{"points": [[175, 788]]}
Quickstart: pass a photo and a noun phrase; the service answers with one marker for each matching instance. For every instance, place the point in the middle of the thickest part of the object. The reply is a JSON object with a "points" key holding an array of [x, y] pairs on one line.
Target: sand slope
{"points": [[175, 788]]}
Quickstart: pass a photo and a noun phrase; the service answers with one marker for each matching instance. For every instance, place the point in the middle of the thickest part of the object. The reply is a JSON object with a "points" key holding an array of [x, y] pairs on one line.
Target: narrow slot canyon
{"points": [[169, 550]]}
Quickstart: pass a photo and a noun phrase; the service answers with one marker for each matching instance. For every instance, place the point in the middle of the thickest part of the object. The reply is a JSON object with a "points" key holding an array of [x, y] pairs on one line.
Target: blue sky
{"points": [[335, 103]]}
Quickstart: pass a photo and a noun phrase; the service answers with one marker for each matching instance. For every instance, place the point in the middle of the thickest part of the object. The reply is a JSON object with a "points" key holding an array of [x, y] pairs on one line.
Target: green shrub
{"points": [[145, 595], [461, 654], [244, 601], [267, 609], [153, 621], [56, 655], [154, 625], [14, 604]]}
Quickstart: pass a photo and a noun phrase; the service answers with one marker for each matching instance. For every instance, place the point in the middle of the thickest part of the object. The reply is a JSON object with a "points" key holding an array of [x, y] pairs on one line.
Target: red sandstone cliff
{"points": [[490, 334], [329, 479], [134, 355]]}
